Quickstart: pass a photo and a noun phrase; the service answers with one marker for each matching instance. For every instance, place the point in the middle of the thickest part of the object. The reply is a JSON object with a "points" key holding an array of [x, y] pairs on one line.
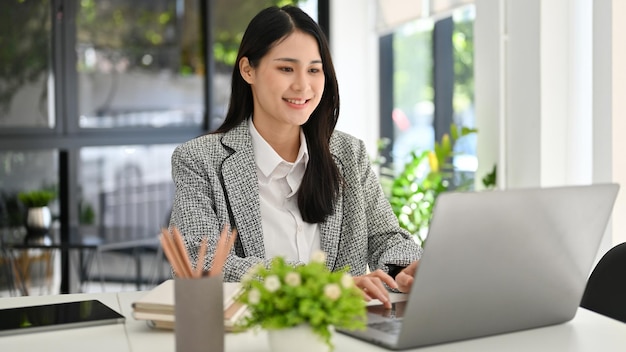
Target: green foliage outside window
{"points": [[121, 31], [414, 191], [230, 24], [25, 28]]}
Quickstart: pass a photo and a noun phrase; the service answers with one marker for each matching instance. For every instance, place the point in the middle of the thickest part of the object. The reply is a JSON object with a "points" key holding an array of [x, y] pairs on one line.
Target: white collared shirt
{"points": [[284, 232]]}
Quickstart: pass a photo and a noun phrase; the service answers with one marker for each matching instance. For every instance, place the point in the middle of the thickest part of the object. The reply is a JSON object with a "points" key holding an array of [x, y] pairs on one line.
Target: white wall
{"points": [[618, 114], [354, 46], [546, 75], [550, 85], [489, 80], [602, 103], [609, 108], [533, 63]]}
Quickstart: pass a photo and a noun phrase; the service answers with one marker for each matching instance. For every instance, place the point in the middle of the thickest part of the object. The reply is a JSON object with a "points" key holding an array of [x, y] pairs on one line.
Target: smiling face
{"points": [[287, 83]]}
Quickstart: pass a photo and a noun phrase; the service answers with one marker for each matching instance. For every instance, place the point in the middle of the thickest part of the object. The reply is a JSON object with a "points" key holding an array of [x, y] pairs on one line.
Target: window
{"points": [[230, 18], [140, 63], [26, 77], [413, 100], [432, 85], [125, 192], [138, 79], [24, 171]]}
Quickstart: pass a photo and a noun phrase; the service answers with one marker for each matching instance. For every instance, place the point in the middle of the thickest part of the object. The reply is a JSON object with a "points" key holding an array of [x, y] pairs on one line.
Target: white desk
{"points": [[588, 331]]}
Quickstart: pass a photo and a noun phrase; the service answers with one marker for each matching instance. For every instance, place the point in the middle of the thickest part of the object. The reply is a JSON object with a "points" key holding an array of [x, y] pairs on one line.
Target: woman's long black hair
{"points": [[321, 181]]}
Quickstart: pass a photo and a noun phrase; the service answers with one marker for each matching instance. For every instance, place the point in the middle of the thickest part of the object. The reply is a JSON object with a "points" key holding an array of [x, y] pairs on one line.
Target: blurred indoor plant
{"points": [[38, 216], [283, 297], [413, 192]]}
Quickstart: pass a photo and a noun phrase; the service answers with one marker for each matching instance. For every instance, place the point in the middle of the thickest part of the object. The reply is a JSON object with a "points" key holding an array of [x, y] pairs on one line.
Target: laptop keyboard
{"points": [[390, 326]]}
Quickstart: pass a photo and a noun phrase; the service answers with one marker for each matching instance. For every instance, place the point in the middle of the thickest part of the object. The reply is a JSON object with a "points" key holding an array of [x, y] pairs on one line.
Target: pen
{"points": [[176, 253], [224, 244], [170, 252], [182, 252]]}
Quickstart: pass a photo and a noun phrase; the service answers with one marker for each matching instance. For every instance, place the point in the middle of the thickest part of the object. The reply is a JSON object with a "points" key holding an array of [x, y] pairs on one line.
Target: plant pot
{"points": [[300, 338], [38, 221]]}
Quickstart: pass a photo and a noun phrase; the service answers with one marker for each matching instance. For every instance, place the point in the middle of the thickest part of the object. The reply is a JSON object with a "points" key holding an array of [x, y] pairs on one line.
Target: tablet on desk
{"points": [[56, 316]]}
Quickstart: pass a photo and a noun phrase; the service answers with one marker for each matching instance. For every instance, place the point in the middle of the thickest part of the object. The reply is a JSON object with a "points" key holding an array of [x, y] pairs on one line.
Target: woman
{"points": [[278, 172]]}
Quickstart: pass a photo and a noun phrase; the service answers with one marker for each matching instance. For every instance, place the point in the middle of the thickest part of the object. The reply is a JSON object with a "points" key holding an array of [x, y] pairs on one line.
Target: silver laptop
{"points": [[497, 262]]}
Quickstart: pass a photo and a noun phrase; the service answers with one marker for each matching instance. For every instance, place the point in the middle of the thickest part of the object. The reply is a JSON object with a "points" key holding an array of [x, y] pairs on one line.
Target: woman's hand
{"points": [[372, 286], [404, 279]]}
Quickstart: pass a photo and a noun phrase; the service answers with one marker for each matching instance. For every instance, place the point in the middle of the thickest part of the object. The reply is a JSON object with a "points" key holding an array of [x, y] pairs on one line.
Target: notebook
{"points": [[157, 306], [496, 262]]}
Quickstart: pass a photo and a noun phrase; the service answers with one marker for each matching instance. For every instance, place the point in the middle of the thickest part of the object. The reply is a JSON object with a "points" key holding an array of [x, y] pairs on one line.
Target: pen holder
{"points": [[199, 314]]}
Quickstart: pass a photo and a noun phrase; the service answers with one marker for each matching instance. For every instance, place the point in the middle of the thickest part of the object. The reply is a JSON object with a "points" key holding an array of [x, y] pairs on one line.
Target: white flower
{"points": [[247, 277], [272, 283], [318, 256], [292, 279], [347, 281], [254, 296], [250, 274], [332, 291]]}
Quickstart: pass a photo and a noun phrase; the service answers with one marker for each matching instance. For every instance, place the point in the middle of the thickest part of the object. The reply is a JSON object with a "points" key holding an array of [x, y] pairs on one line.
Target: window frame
{"points": [[68, 137]]}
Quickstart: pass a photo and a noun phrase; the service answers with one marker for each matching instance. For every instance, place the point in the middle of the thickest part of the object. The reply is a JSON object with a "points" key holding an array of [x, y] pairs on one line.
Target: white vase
{"points": [[300, 338], [38, 220]]}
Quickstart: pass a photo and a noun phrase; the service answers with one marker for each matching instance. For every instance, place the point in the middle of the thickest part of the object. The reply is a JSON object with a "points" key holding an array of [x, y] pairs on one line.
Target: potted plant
{"points": [[38, 217], [36, 198], [303, 301]]}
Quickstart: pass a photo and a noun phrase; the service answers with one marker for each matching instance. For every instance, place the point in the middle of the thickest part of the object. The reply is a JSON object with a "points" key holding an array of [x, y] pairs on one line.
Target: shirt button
{"points": [[299, 228]]}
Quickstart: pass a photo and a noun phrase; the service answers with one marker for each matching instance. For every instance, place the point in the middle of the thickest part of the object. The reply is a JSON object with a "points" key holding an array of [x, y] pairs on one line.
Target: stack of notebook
{"points": [[157, 306]]}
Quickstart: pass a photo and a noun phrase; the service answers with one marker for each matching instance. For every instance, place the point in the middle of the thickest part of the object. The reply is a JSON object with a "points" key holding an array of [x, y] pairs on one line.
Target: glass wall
{"points": [[463, 98], [152, 74], [413, 90], [140, 63], [413, 86], [23, 171], [139, 78], [230, 18], [125, 192]]}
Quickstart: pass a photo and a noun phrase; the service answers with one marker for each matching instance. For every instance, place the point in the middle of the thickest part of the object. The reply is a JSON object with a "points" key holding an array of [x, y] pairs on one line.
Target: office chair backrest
{"points": [[606, 288]]}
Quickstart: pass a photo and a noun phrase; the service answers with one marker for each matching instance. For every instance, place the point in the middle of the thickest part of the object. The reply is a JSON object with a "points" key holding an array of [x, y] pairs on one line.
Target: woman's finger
{"points": [[404, 278], [405, 281], [384, 277], [373, 288]]}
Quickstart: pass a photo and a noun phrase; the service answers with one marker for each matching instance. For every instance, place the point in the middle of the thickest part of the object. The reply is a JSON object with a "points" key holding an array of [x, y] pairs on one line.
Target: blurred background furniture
{"points": [[9, 276], [140, 262], [606, 288], [33, 261], [131, 217], [142, 253]]}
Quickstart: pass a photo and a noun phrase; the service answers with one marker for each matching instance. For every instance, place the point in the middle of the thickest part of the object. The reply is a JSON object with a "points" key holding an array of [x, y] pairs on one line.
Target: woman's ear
{"points": [[246, 70]]}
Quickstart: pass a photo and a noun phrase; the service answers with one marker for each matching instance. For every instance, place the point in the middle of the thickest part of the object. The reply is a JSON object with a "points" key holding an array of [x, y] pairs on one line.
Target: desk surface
{"points": [[588, 331], [88, 242]]}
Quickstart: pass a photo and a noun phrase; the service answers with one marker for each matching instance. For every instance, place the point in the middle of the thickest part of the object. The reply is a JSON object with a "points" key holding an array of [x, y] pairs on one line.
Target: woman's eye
{"points": [[286, 69], [315, 70]]}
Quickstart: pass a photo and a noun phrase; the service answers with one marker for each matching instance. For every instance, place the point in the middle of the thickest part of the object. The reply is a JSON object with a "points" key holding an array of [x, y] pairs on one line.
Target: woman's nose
{"points": [[300, 82]]}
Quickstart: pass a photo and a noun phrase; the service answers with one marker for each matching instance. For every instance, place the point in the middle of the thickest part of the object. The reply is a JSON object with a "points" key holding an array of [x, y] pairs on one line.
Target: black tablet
{"points": [[56, 316]]}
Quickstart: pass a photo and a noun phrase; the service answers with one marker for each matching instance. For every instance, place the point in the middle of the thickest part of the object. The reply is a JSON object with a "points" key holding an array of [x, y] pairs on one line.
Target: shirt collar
{"points": [[267, 159]]}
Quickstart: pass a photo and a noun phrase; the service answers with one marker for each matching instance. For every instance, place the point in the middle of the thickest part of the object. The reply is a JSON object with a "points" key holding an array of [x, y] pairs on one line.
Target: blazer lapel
{"points": [[242, 190]]}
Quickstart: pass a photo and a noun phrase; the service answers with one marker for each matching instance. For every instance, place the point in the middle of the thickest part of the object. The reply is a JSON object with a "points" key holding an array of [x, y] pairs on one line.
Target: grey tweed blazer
{"points": [[216, 184]]}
